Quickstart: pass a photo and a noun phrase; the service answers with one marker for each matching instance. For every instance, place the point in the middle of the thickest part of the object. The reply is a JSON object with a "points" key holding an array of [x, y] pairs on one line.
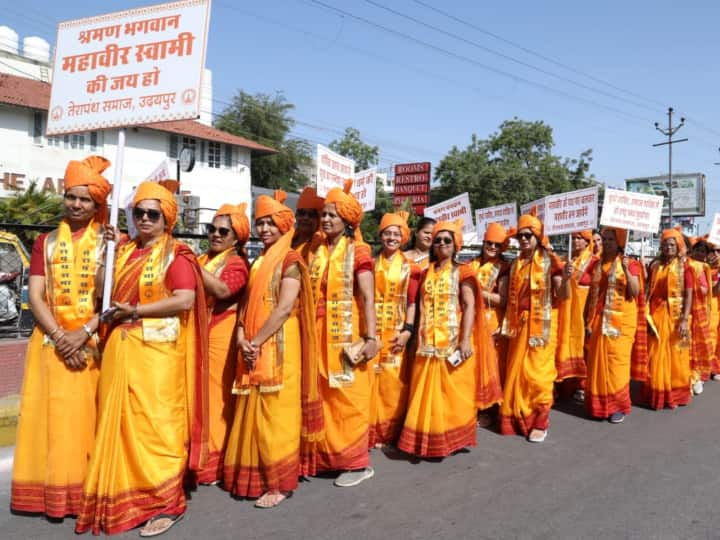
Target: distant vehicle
{"points": [[15, 315], [253, 249]]}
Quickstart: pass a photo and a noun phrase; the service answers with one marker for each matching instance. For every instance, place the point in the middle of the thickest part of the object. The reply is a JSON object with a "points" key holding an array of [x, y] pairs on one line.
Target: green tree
{"points": [[353, 147], [515, 163], [266, 119], [31, 207]]}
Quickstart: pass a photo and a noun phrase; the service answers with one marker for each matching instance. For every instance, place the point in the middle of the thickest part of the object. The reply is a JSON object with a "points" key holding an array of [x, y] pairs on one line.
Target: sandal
{"points": [[272, 499], [159, 524]]}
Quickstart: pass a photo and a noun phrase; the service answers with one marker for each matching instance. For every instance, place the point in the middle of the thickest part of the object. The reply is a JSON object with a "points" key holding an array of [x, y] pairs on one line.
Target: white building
{"points": [[222, 169]]}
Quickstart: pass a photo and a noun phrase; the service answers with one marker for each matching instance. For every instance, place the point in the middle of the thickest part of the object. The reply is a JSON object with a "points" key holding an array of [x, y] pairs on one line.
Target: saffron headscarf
{"points": [[620, 235], [347, 206], [453, 227], [273, 207], [495, 233], [309, 200], [532, 222], [677, 235], [398, 219], [168, 205], [238, 219], [88, 172]]}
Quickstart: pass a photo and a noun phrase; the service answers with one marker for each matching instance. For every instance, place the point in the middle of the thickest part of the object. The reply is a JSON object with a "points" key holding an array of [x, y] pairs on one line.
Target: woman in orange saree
{"points": [[713, 260], [278, 419], [538, 285], [153, 382], [702, 350], [58, 402], [224, 274], [491, 272], [421, 244], [396, 287], [441, 414], [613, 326], [344, 292], [570, 361], [670, 300]]}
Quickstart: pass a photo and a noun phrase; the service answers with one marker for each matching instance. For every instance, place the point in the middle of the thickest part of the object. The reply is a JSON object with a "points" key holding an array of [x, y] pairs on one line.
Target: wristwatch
{"points": [[135, 316], [87, 330], [370, 338]]}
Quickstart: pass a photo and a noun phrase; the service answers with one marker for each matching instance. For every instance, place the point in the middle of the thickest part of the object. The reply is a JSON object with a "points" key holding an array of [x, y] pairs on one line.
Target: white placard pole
{"points": [[114, 210]]}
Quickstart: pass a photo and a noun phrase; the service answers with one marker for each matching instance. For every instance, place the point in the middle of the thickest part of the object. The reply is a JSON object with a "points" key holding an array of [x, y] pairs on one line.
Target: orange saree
{"points": [[153, 396]]}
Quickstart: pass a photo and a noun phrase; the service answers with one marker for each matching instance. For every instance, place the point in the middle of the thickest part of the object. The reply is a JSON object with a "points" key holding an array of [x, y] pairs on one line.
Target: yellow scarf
{"points": [[342, 320], [215, 266], [440, 314], [537, 273], [392, 278], [674, 274], [151, 287], [70, 274]]}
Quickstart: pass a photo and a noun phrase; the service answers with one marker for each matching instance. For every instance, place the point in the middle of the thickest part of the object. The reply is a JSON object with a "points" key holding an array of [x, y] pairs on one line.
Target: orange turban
{"points": [[677, 235], [495, 233], [168, 205], [620, 235], [454, 227], [586, 234], [347, 206], [309, 200], [399, 219], [238, 219], [88, 173], [532, 222], [273, 206]]}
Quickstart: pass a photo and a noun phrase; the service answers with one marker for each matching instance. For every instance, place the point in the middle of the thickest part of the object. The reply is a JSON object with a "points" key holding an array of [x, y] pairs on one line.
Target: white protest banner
{"points": [[570, 212], [539, 204], [332, 170], [364, 188], [504, 214], [634, 211], [714, 237], [161, 172], [128, 68], [452, 209]]}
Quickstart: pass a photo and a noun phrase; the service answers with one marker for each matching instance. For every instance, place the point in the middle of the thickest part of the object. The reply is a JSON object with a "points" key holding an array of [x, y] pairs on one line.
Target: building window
{"points": [[77, 141], [37, 127], [214, 155], [228, 156], [190, 142], [55, 141], [173, 153], [93, 140], [201, 153]]}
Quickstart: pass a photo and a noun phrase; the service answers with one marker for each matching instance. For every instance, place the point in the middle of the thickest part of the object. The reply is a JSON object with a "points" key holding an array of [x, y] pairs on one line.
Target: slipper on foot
{"points": [[159, 524]]}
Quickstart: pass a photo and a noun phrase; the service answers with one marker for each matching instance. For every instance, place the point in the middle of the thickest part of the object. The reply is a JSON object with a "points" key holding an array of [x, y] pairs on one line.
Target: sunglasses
{"points": [[212, 229], [307, 213], [524, 236], [493, 244], [152, 214], [442, 240]]}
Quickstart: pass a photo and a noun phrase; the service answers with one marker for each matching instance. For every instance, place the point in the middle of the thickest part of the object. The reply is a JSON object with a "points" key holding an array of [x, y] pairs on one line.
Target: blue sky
{"points": [[416, 101]]}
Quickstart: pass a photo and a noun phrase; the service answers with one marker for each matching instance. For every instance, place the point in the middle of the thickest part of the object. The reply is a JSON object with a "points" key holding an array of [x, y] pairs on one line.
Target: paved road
{"points": [[655, 476]]}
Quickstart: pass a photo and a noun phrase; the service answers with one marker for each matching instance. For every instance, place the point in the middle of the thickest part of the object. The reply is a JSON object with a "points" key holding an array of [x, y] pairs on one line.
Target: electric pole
{"points": [[669, 132]]}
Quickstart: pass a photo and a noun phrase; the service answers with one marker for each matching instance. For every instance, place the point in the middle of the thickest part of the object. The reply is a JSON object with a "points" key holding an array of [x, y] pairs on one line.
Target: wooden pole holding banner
{"points": [[114, 210]]}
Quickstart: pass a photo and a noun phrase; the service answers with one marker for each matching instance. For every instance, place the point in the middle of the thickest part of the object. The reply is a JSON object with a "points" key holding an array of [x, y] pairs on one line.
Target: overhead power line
{"points": [[504, 56], [472, 61]]}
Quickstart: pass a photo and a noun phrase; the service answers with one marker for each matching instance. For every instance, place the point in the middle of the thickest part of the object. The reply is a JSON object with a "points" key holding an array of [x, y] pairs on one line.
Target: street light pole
{"points": [[669, 132]]}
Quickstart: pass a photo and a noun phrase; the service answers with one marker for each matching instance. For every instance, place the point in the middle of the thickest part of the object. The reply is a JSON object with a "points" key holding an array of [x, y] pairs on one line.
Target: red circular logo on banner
{"points": [[188, 96]]}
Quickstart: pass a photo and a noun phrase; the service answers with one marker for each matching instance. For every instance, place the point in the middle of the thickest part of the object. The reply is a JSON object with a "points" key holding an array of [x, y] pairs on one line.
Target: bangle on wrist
{"points": [[370, 338], [87, 330], [407, 327], [135, 316]]}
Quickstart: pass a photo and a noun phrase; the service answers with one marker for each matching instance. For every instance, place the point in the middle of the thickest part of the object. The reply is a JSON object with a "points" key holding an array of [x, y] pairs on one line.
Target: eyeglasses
{"points": [[524, 236], [212, 229], [442, 240], [152, 214], [306, 213]]}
